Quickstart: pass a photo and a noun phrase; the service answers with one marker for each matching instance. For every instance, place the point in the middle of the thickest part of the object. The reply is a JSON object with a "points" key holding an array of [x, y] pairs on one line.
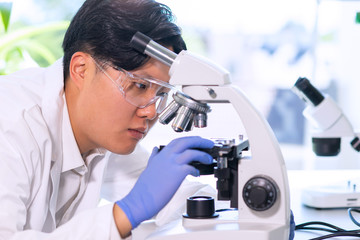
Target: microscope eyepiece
{"points": [[146, 45], [139, 42], [305, 90]]}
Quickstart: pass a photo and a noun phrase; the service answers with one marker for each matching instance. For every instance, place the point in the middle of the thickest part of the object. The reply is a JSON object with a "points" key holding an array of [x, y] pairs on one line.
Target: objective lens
{"points": [[169, 113], [190, 125], [182, 119], [200, 120], [187, 113]]}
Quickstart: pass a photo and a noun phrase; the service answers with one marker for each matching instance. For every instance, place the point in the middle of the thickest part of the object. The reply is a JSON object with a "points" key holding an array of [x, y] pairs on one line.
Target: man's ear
{"points": [[79, 68]]}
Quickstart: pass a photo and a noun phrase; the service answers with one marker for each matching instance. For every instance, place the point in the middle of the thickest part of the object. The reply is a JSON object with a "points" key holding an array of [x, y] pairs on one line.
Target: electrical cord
{"points": [[332, 229], [350, 210]]}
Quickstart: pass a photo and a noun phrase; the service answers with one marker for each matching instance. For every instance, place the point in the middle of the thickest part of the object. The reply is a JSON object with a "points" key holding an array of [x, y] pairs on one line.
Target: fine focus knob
{"points": [[260, 193]]}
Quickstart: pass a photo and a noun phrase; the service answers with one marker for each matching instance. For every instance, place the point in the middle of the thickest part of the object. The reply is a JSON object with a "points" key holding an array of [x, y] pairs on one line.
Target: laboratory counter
{"points": [[298, 180]]}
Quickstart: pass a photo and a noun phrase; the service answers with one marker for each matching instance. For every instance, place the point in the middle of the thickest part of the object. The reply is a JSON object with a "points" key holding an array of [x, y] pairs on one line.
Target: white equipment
{"points": [[263, 192], [332, 137], [343, 194]]}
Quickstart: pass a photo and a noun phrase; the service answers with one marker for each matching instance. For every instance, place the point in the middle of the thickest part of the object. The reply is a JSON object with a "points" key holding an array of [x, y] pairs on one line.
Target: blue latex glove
{"points": [[292, 227], [162, 177]]}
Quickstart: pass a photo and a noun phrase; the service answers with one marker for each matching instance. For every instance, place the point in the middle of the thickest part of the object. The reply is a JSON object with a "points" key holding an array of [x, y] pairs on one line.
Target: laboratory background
{"points": [[265, 45]]}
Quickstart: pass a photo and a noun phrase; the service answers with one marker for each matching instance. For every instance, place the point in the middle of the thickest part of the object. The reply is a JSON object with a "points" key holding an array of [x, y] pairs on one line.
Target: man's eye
{"points": [[162, 94], [141, 85], [166, 90]]}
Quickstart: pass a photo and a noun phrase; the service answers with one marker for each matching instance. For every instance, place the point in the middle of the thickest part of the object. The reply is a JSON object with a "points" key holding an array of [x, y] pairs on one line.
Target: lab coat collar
{"points": [[52, 104], [97, 152], [72, 158], [52, 108]]}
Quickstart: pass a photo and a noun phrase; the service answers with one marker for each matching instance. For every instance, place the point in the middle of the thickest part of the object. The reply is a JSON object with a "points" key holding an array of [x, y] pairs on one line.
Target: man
{"points": [[57, 124]]}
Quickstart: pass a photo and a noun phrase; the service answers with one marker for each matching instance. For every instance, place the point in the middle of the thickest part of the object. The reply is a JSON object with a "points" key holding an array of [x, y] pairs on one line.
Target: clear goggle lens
{"points": [[139, 91]]}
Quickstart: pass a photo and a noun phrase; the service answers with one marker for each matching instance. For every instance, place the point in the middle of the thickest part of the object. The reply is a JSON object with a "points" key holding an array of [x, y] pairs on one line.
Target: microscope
{"points": [[256, 184], [333, 137], [330, 124]]}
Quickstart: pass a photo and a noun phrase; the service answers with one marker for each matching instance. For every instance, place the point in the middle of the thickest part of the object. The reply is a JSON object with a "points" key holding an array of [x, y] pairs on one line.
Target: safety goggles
{"points": [[139, 91]]}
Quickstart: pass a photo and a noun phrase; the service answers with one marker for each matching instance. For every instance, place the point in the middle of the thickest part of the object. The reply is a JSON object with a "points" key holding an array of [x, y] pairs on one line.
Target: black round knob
{"points": [[200, 207], [259, 193]]}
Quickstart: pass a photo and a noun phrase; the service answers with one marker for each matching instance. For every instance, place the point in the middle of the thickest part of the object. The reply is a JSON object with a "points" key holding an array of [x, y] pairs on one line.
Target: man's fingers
{"points": [[181, 144], [192, 155]]}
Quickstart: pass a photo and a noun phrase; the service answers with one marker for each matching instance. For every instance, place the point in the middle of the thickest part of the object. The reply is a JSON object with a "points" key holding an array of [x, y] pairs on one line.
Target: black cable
{"points": [[340, 234], [317, 229], [334, 230], [350, 210]]}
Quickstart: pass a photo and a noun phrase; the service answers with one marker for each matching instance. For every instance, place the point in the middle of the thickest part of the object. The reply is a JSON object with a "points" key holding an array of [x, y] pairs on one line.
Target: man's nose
{"points": [[148, 112]]}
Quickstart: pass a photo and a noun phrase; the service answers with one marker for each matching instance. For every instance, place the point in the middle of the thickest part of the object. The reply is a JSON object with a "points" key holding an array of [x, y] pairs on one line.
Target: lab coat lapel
{"points": [[50, 222], [51, 168], [52, 108], [55, 178]]}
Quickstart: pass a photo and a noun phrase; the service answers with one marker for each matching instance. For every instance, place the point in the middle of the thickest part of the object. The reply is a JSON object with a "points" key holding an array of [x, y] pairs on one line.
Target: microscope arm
{"points": [[207, 82], [266, 155], [263, 202]]}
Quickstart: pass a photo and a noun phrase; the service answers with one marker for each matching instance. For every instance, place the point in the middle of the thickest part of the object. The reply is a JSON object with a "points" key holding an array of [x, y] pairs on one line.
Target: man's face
{"points": [[106, 119]]}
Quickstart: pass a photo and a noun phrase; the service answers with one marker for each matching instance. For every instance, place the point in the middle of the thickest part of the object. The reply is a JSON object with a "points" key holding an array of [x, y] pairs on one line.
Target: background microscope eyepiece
{"points": [[306, 91]]}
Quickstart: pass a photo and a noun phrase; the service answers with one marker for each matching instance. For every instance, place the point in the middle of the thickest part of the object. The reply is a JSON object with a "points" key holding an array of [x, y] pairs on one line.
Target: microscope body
{"points": [[332, 135], [334, 145], [206, 82], [262, 201]]}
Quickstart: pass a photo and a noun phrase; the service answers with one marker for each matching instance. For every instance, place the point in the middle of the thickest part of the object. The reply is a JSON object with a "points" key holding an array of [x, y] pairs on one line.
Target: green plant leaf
{"points": [[40, 43], [41, 50], [5, 11], [357, 18], [27, 32]]}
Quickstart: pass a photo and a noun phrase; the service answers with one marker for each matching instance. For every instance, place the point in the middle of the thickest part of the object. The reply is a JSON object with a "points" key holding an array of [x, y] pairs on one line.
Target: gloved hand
{"points": [[162, 177]]}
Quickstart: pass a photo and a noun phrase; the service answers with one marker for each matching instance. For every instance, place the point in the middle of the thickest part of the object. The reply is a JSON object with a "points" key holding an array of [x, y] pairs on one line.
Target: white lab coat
{"points": [[31, 157]]}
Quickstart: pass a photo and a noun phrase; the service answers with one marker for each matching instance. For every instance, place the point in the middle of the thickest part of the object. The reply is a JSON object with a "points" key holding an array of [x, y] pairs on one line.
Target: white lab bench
{"points": [[302, 179], [298, 179]]}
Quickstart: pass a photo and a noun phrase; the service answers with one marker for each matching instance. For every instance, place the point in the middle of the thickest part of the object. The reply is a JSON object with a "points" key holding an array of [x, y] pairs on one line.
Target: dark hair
{"points": [[104, 28]]}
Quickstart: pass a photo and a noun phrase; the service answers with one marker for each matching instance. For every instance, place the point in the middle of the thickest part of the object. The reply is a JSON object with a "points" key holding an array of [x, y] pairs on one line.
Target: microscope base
{"points": [[220, 228]]}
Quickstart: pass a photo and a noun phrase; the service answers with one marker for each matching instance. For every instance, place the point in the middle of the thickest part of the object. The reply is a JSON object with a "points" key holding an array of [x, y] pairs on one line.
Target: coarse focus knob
{"points": [[259, 193]]}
